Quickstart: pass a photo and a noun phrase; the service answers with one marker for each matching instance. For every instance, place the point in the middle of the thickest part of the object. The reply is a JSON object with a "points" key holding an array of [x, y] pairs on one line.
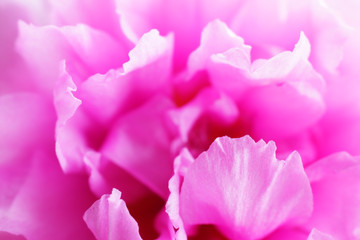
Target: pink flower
{"points": [[179, 119]]}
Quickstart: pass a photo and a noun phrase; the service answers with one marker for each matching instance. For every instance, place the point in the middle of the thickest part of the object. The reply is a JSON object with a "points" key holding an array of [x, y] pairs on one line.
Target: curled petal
{"points": [[216, 38], [66, 105]]}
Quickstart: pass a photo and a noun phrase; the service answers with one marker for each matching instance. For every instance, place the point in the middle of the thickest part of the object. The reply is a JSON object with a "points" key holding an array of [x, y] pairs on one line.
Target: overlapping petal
{"points": [[113, 90], [210, 115], [80, 130], [272, 96], [86, 50]]}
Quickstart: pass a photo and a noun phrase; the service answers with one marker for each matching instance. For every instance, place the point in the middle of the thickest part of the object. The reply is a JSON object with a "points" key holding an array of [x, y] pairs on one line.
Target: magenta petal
{"points": [[216, 38], [164, 227], [210, 115], [109, 219], [150, 48], [97, 14], [142, 139], [19, 139], [46, 201], [145, 74], [65, 102], [335, 185], [86, 50], [239, 186], [9, 236], [14, 74], [66, 105], [181, 165], [317, 235], [280, 101]]}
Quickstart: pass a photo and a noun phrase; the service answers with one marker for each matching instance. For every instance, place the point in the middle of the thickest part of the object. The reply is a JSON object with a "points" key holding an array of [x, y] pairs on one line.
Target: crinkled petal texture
{"points": [[335, 184], [109, 219], [240, 187]]}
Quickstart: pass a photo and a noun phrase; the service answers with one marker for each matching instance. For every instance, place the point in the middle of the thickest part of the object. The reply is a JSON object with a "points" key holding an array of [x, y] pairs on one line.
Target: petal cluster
{"points": [[193, 119]]}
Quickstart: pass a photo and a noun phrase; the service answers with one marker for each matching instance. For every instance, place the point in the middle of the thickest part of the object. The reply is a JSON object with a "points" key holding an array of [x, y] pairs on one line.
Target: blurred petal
{"points": [[19, 139], [46, 200], [139, 16], [317, 235], [216, 38], [335, 185], [101, 15], [86, 50]]}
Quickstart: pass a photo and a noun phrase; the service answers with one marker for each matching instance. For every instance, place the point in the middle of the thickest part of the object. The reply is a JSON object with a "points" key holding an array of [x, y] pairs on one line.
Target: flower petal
{"points": [[68, 153], [317, 235], [22, 131], [109, 219], [181, 165], [335, 185], [216, 38], [280, 101], [145, 74], [239, 186], [140, 140], [46, 201], [86, 50], [98, 14], [210, 115]]}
